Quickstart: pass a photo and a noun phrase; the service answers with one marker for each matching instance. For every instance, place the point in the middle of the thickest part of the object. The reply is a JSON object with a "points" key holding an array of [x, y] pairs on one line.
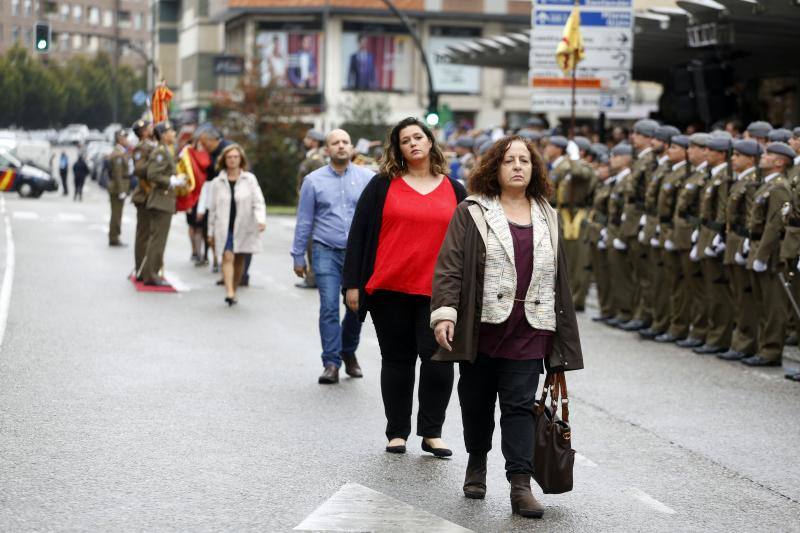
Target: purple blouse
{"points": [[516, 338]]}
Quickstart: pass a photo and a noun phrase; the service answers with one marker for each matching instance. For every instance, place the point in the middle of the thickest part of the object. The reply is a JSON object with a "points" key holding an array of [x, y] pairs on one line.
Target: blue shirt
{"points": [[327, 204]]}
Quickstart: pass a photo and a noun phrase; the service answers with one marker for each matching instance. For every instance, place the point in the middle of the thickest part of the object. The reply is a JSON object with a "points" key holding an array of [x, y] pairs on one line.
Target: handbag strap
{"points": [[556, 384]]}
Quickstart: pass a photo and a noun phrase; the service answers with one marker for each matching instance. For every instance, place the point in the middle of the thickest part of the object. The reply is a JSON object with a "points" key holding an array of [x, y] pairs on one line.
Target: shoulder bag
{"points": [[553, 456]]}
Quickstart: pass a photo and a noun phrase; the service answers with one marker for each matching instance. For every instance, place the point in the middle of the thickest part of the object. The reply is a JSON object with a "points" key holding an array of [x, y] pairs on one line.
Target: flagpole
{"points": [[574, 81]]}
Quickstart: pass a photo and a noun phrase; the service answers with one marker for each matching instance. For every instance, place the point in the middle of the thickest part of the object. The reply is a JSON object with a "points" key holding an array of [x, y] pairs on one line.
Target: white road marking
{"points": [[23, 215], [650, 501], [355, 507], [98, 227], [176, 282], [584, 461], [291, 292], [71, 217], [8, 275]]}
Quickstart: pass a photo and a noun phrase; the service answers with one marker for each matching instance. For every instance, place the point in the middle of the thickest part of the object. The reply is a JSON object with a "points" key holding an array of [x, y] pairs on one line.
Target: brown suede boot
{"points": [[475, 479], [522, 501], [351, 366]]}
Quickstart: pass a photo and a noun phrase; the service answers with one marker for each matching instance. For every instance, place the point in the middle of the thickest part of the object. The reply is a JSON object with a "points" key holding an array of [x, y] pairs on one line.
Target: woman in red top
{"points": [[398, 227]]}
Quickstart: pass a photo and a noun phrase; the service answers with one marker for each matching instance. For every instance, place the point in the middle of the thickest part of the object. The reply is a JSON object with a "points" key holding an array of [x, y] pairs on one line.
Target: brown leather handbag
{"points": [[553, 456]]}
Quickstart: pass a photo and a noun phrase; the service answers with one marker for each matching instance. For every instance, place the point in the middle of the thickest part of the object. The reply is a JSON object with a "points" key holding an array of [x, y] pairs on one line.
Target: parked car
{"points": [[73, 134], [95, 152], [29, 181], [35, 152]]}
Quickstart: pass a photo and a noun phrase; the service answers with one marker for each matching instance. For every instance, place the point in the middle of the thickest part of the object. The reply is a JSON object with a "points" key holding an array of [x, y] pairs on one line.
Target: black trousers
{"points": [[514, 382], [402, 322]]}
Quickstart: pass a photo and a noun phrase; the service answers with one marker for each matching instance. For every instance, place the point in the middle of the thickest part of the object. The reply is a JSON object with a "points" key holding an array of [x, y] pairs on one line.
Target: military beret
{"points": [[699, 139], [480, 139], [139, 124], [719, 143], [759, 128], [796, 132], [747, 147], [602, 158], [781, 135], [680, 140], [316, 135], [530, 135], [465, 142], [599, 150], [484, 147], [161, 127], [723, 134], [582, 142], [535, 122], [622, 149], [781, 149], [665, 133], [646, 127], [560, 141]]}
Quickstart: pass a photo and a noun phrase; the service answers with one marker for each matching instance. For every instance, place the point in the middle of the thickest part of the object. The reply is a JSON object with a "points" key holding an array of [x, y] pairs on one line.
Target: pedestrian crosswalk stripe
{"points": [[651, 502], [355, 507], [71, 217], [25, 215]]}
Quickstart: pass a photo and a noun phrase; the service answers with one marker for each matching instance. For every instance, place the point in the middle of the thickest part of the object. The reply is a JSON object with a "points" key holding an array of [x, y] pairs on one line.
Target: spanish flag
{"points": [[570, 49]]}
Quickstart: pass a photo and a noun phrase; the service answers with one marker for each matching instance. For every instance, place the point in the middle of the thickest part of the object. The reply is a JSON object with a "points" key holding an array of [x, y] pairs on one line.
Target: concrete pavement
{"points": [[129, 411]]}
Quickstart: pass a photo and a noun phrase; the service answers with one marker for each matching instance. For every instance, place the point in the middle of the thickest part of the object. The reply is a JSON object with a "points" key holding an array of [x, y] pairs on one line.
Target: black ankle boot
{"points": [[475, 479]]}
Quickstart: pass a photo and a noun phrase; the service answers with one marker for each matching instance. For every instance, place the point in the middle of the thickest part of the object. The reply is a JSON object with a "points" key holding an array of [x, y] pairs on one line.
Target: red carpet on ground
{"points": [[141, 287]]}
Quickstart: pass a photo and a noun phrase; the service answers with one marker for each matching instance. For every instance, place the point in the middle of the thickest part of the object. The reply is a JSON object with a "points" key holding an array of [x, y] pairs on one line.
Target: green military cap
{"points": [[646, 127], [700, 139], [747, 147], [782, 149], [780, 135]]}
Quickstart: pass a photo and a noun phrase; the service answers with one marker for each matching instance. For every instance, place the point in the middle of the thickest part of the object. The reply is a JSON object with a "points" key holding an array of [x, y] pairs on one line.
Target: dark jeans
{"points": [[338, 339], [514, 382], [402, 322]]}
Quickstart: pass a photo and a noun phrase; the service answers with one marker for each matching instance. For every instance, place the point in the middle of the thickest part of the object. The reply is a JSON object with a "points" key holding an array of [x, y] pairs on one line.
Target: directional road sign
{"points": [[603, 77]]}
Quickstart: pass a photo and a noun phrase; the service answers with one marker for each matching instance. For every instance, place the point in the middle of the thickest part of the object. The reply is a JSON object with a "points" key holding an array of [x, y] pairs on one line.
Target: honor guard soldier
{"points": [[633, 221], [711, 246], [555, 153], [598, 232], [659, 287], [779, 135], [686, 232], [619, 259], [141, 154], [790, 241], [794, 142], [160, 202], [746, 308], [766, 225], [759, 130], [680, 301], [119, 186]]}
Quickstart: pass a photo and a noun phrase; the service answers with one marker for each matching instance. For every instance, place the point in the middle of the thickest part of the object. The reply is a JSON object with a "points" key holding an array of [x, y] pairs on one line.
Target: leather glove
{"points": [[746, 247], [759, 266], [718, 243], [695, 235], [619, 245], [641, 237], [709, 252], [669, 245], [740, 259], [654, 243], [694, 255]]}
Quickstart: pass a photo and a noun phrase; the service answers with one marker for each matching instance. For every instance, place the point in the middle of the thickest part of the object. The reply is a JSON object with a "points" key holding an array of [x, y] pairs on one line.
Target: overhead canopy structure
{"points": [[760, 37]]}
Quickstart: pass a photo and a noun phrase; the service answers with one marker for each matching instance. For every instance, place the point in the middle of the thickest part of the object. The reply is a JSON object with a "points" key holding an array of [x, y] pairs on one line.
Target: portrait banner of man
{"points": [[289, 59], [376, 59]]}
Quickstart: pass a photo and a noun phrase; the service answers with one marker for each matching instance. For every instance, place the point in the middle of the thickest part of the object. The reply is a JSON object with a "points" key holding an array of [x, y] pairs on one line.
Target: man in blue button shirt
{"points": [[328, 200]]}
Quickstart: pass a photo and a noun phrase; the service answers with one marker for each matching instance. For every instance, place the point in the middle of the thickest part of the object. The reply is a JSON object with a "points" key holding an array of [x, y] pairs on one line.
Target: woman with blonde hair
{"points": [[236, 215], [398, 226]]}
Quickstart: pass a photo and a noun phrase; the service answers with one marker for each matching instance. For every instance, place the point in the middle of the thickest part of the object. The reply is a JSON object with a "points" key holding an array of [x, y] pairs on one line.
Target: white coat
{"points": [[250, 212]]}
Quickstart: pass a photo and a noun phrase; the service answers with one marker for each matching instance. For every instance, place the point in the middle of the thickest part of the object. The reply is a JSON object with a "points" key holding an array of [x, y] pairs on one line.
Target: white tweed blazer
{"points": [[500, 275]]}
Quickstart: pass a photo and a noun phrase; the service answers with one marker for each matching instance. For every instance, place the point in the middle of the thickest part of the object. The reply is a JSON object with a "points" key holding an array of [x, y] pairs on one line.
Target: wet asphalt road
{"points": [[134, 411]]}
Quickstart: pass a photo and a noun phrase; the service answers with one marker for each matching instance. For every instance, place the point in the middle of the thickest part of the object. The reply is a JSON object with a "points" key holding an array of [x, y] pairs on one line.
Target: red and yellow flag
{"points": [[161, 98], [570, 49]]}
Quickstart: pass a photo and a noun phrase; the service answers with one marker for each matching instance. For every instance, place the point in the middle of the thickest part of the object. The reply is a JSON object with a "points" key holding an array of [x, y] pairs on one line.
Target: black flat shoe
{"points": [[438, 452], [230, 301], [733, 355], [757, 360], [667, 337], [396, 449]]}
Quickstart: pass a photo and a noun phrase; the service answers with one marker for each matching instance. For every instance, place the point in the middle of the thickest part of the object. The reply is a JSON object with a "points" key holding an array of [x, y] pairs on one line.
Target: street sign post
{"points": [[603, 77]]}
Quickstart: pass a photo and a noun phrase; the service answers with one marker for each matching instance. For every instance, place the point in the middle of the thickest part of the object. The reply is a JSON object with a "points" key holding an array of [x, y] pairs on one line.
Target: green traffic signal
{"points": [[41, 41]]}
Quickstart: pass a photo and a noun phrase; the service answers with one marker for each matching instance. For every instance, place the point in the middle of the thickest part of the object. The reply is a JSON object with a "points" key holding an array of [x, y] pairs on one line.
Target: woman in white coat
{"points": [[236, 215]]}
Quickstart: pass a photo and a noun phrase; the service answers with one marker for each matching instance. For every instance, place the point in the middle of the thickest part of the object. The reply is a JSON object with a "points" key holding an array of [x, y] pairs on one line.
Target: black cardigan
{"points": [[362, 243]]}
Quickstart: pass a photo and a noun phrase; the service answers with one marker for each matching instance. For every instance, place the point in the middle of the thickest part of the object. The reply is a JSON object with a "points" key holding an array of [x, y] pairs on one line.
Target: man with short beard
{"points": [[325, 211]]}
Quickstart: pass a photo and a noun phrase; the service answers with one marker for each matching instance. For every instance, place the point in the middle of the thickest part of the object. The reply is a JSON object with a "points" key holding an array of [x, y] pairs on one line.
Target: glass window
{"points": [[64, 38], [108, 18], [28, 37], [15, 33], [124, 19], [137, 21], [94, 15], [64, 11], [15, 7], [77, 41], [27, 6], [77, 13], [93, 44]]}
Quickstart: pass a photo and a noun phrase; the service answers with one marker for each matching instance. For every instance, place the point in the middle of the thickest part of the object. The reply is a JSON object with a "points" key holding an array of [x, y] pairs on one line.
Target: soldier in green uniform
{"points": [[792, 231], [633, 221], [746, 311], [555, 153], [759, 131], [685, 233], [766, 224], [160, 201], [710, 246], [680, 301], [659, 286], [119, 185], [597, 233], [315, 158], [619, 258], [141, 154]]}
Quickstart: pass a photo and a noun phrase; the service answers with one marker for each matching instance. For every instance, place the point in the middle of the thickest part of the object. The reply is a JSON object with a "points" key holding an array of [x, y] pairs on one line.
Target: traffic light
{"points": [[432, 115], [41, 41]]}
